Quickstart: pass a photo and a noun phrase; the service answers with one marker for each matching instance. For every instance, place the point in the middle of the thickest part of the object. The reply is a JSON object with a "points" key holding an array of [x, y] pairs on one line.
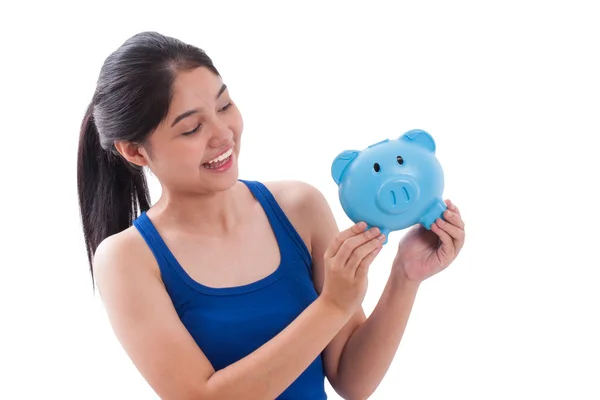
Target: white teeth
{"points": [[222, 156]]}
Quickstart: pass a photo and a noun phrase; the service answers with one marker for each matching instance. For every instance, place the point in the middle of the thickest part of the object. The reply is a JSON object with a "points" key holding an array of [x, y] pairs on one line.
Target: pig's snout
{"points": [[396, 195]]}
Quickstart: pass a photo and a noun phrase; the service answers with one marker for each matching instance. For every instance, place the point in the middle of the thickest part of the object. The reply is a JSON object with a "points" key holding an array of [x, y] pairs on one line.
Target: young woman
{"points": [[227, 288]]}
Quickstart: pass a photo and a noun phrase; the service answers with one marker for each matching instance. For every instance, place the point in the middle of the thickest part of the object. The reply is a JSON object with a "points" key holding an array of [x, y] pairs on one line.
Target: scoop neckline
{"points": [[227, 290]]}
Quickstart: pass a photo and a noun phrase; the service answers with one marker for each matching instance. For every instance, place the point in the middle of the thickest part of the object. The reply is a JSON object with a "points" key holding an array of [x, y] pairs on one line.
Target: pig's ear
{"points": [[421, 138], [341, 162]]}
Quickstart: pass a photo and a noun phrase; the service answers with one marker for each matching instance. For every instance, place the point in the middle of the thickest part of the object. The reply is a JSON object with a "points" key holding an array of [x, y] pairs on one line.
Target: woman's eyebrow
{"points": [[196, 110]]}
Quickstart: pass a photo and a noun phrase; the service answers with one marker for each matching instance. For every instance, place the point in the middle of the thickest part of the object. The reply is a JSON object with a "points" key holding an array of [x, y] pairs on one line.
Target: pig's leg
{"points": [[435, 211], [386, 232]]}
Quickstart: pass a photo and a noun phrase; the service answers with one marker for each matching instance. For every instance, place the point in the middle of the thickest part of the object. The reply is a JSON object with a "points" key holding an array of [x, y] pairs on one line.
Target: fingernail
{"points": [[381, 237], [450, 213], [361, 225]]}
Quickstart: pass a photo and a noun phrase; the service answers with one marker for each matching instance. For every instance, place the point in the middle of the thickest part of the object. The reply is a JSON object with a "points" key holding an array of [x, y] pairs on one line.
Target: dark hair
{"points": [[132, 98]]}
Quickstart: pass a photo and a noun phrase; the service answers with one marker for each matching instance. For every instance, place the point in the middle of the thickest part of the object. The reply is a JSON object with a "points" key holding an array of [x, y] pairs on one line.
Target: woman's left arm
{"points": [[370, 350], [360, 355]]}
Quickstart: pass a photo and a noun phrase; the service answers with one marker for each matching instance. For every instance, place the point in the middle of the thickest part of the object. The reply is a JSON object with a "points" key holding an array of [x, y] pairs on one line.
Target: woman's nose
{"points": [[220, 134]]}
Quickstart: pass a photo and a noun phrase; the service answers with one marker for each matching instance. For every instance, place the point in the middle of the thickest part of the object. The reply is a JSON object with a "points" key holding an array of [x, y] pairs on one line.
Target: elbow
{"points": [[353, 390], [358, 395], [192, 391], [191, 394], [220, 389], [208, 391]]}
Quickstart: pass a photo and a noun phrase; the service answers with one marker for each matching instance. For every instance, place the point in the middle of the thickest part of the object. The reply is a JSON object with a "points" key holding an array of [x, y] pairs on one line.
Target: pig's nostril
{"points": [[393, 197], [406, 195], [376, 167]]}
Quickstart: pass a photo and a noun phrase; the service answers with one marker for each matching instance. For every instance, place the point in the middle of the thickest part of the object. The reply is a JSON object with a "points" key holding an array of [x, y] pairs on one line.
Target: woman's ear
{"points": [[133, 153]]}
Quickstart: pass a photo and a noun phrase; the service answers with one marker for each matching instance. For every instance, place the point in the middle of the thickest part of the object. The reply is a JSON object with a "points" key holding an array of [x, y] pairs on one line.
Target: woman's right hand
{"points": [[347, 261]]}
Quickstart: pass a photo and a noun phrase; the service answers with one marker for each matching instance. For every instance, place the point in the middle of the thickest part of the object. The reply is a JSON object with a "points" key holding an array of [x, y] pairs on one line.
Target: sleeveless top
{"points": [[230, 323]]}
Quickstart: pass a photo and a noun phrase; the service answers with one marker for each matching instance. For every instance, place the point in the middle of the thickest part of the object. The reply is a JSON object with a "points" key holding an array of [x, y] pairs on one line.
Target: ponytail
{"points": [[111, 190]]}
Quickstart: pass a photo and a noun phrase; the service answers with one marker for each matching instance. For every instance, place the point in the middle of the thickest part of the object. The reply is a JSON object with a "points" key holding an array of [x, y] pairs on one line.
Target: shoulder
{"points": [[122, 255], [305, 206], [296, 196]]}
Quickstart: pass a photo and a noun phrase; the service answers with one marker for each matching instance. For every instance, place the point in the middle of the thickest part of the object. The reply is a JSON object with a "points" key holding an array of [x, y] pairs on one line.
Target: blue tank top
{"points": [[230, 323]]}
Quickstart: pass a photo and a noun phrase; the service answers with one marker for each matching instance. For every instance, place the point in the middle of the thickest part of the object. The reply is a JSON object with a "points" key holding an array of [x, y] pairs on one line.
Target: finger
{"points": [[454, 218], [350, 245], [341, 237], [363, 267], [457, 234], [452, 207], [362, 251], [447, 241]]}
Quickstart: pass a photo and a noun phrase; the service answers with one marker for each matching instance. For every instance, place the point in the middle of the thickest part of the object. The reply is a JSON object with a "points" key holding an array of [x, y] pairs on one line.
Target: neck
{"points": [[214, 214]]}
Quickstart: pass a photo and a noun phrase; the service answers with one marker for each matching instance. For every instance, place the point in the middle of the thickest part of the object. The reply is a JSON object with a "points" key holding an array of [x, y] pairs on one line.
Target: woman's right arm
{"points": [[149, 329]]}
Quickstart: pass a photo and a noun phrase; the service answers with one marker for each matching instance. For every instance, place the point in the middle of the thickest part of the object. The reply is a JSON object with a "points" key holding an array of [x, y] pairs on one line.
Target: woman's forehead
{"points": [[200, 83]]}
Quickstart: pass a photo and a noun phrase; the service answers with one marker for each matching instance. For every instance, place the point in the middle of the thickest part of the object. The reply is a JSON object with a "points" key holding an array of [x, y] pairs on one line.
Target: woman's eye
{"points": [[196, 129]]}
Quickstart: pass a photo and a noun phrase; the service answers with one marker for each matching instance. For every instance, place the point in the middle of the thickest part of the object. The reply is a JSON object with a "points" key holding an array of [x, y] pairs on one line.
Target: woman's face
{"points": [[196, 147]]}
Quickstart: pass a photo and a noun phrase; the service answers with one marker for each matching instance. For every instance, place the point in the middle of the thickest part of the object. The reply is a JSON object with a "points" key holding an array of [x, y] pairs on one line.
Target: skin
{"points": [[204, 216]]}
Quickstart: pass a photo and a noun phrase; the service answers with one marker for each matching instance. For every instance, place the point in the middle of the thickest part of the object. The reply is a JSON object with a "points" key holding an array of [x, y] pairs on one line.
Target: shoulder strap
{"points": [[278, 218], [172, 279]]}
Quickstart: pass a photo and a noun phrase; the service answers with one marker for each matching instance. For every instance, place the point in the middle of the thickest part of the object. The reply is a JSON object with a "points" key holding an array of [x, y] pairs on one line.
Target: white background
{"points": [[510, 92]]}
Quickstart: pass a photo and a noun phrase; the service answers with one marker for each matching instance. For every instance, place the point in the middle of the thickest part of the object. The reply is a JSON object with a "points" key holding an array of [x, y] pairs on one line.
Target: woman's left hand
{"points": [[423, 253]]}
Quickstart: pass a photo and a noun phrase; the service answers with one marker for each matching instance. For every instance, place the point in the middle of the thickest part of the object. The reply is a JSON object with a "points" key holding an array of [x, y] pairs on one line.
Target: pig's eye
{"points": [[400, 160], [376, 167]]}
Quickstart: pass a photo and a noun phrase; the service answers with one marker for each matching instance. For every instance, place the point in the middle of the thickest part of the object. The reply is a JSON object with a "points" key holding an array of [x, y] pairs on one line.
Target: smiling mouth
{"points": [[219, 161]]}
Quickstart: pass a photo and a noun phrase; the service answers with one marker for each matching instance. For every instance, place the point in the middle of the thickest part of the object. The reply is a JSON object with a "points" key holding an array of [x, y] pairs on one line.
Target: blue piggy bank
{"points": [[392, 184]]}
